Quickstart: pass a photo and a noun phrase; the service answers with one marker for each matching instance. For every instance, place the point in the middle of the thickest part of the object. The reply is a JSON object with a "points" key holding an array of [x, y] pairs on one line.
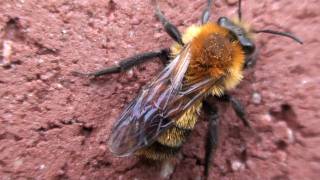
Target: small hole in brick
{"points": [[86, 131], [282, 145]]}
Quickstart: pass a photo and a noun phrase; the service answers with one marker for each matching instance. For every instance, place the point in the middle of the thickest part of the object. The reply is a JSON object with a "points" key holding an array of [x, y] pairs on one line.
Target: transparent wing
{"points": [[156, 107]]}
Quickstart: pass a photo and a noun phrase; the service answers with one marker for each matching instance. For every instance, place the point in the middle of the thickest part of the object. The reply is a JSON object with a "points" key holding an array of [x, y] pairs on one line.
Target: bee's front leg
{"points": [[205, 16], [237, 107], [239, 110], [251, 60]]}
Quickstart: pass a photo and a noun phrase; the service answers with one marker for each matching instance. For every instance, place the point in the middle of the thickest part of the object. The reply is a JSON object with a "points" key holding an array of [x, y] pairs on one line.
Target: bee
{"points": [[205, 62]]}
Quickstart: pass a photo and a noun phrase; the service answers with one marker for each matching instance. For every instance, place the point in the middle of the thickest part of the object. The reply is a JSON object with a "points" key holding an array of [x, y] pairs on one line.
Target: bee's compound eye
{"points": [[249, 48]]}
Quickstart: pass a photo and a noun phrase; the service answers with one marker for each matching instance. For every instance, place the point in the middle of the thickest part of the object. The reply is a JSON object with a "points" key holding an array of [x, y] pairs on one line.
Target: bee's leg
{"points": [[237, 107], [212, 135], [171, 29], [251, 60], [206, 13], [128, 63]]}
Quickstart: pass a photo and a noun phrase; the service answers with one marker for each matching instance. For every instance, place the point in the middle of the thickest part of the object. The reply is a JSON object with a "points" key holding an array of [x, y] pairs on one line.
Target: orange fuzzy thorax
{"points": [[214, 55]]}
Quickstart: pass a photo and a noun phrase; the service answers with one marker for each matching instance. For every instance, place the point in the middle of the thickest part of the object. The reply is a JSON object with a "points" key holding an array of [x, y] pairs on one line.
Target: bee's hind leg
{"points": [[212, 135], [125, 64]]}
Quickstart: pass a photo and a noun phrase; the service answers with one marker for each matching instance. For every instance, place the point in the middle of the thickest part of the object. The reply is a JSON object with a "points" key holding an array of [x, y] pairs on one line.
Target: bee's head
{"points": [[239, 34], [242, 35]]}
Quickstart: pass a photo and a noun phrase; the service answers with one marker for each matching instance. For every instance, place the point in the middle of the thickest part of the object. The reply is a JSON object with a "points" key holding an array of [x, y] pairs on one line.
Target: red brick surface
{"points": [[54, 125]]}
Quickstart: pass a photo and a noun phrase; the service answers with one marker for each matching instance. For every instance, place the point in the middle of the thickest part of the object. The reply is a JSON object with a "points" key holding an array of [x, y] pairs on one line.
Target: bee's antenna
{"points": [[286, 34], [239, 10]]}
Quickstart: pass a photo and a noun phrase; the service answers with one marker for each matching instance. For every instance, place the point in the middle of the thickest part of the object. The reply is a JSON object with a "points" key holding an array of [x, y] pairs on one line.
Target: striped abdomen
{"points": [[171, 140]]}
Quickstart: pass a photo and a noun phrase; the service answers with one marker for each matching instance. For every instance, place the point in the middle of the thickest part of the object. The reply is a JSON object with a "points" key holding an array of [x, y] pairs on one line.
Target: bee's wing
{"points": [[156, 107]]}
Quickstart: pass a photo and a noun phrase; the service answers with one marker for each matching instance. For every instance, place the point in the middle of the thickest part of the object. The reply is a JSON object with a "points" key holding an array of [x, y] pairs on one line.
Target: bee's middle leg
{"points": [[125, 64], [212, 135]]}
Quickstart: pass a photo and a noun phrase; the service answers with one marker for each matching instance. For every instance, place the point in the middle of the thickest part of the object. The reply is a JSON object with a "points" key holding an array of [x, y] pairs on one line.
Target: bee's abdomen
{"points": [[174, 136], [171, 140], [167, 145]]}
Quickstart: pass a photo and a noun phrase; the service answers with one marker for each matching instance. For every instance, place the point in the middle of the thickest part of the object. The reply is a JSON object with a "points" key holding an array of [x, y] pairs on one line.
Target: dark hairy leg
{"points": [[128, 63], [171, 29], [237, 107], [211, 111], [251, 60]]}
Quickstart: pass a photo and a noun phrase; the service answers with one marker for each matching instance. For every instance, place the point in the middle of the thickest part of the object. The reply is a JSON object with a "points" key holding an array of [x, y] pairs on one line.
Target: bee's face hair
{"points": [[238, 34]]}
